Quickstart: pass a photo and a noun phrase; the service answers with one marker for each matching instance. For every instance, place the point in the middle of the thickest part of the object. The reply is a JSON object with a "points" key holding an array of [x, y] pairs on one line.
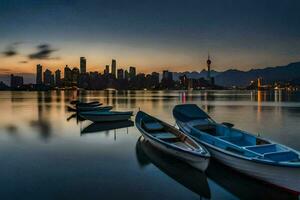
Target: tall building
{"points": [[154, 79], [208, 68], [167, 75], [67, 74], [47, 77], [39, 74], [75, 74], [82, 65], [58, 77], [132, 72], [120, 74], [114, 67], [16, 81], [106, 70], [126, 74]]}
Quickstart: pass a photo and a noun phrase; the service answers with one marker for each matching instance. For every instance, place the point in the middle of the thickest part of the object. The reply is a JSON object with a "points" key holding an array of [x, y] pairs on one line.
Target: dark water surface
{"points": [[46, 153]]}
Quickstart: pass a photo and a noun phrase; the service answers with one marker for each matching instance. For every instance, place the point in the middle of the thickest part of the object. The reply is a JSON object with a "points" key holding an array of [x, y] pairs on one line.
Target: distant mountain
{"points": [[194, 74], [234, 77]]}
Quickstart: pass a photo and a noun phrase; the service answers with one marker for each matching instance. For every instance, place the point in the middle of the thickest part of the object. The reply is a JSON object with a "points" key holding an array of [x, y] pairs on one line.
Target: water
{"points": [[46, 153]]}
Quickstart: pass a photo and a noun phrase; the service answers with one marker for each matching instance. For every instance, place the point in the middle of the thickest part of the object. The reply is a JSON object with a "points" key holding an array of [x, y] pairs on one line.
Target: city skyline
{"points": [[150, 35]]}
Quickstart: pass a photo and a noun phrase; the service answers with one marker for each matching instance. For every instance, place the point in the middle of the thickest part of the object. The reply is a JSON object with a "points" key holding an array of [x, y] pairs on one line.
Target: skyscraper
{"points": [[114, 67], [126, 74], [16, 81], [82, 65], [106, 70], [67, 74], [120, 74], [132, 72], [47, 77], [75, 74], [39, 74], [58, 77]]}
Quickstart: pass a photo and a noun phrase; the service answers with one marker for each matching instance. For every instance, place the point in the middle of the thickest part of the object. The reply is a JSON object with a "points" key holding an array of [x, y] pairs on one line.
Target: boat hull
{"points": [[282, 176], [197, 162]]}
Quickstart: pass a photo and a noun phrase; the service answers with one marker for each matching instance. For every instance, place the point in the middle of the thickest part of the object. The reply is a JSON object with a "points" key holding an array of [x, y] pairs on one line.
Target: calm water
{"points": [[46, 153]]}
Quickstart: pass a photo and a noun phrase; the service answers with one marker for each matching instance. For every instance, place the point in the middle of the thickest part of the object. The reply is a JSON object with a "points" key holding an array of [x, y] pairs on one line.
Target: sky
{"points": [[151, 35]]}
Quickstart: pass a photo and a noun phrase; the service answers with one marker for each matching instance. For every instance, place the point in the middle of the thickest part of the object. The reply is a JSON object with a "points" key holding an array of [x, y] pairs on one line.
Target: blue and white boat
{"points": [[172, 141], [247, 153]]}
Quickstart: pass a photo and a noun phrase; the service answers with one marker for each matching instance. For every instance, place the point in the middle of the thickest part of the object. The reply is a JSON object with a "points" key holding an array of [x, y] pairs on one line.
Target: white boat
{"points": [[252, 155], [172, 141], [107, 116]]}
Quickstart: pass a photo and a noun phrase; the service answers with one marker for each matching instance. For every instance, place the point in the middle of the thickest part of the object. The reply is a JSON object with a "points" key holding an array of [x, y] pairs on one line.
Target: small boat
{"points": [[83, 109], [181, 172], [84, 105], [107, 116], [76, 102], [247, 153], [105, 126], [172, 141]]}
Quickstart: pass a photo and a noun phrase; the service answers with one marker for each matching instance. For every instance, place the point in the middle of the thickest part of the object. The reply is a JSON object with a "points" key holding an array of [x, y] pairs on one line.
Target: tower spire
{"points": [[208, 67]]}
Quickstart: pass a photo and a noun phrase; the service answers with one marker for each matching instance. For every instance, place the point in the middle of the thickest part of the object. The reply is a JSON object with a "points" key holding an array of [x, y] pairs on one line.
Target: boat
{"points": [[181, 172], [172, 141], [106, 116], [92, 108], [83, 105], [105, 126], [247, 153], [76, 102]]}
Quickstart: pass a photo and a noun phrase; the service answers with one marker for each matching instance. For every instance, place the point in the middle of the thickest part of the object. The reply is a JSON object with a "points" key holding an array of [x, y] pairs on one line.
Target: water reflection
{"points": [[106, 126], [26, 116], [189, 177], [242, 186]]}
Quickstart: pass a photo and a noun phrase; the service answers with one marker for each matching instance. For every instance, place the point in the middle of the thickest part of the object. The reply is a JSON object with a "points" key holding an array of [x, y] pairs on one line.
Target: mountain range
{"points": [[234, 77]]}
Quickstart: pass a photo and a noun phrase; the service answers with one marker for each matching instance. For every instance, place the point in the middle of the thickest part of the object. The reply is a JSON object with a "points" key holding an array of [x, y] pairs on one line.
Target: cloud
{"points": [[44, 52], [10, 50], [5, 71]]}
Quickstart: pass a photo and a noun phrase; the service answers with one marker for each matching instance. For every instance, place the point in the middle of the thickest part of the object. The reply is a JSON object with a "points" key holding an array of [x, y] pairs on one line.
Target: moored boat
{"points": [[107, 116], [77, 102], [245, 152], [90, 108], [172, 141]]}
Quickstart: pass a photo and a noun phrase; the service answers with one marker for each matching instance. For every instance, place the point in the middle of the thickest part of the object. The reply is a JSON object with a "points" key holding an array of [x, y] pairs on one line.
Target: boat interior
{"points": [[244, 144], [165, 133]]}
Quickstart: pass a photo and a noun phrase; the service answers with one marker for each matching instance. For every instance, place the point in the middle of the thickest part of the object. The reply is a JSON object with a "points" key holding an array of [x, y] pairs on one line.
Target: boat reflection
{"points": [[242, 186], [184, 174], [77, 117], [106, 126]]}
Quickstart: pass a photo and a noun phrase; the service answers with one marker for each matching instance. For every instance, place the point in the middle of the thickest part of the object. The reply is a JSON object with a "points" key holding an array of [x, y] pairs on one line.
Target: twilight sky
{"points": [[151, 35]]}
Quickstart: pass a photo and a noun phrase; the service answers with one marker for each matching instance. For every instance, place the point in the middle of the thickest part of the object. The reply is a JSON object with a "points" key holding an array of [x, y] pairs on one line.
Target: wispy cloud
{"points": [[5, 71], [23, 62], [11, 50], [44, 52]]}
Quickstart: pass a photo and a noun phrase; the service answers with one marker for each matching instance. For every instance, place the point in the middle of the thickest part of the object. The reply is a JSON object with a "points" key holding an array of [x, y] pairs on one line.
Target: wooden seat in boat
{"points": [[153, 126], [207, 128], [164, 135]]}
